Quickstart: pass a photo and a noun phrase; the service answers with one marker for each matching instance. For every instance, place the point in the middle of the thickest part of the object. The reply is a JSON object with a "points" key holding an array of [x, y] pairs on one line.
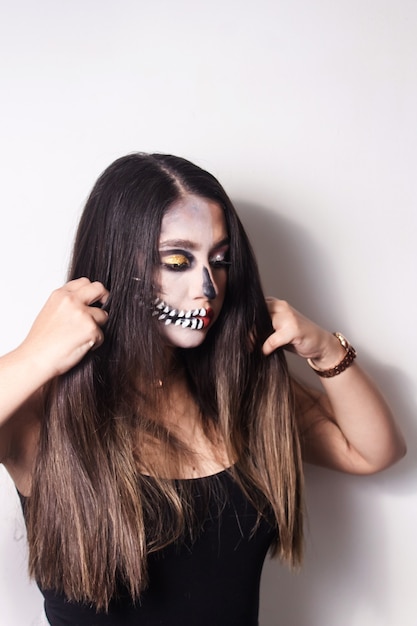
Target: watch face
{"points": [[343, 341]]}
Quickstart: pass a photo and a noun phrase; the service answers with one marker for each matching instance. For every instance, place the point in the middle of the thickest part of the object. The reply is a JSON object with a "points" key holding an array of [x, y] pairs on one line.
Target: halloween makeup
{"points": [[194, 319], [208, 287], [192, 277]]}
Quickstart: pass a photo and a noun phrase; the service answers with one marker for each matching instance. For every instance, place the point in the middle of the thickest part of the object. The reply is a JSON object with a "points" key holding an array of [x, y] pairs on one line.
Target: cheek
{"points": [[221, 284], [167, 283], [173, 292]]}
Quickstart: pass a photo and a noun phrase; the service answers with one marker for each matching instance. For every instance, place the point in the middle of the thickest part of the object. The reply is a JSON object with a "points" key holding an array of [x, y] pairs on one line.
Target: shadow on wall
{"points": [[346, 571], [289, 260]]}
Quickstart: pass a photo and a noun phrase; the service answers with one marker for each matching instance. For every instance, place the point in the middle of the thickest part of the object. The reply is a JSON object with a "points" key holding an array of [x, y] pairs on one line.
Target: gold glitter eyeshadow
{"points": [[176, 259]]}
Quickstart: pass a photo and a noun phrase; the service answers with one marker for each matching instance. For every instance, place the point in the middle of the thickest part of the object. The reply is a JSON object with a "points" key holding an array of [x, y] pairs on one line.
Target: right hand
{"points": [[67, 327]]}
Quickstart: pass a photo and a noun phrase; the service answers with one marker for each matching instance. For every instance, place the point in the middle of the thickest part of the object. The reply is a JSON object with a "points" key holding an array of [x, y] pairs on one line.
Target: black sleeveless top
{"points": [[212, 581]]}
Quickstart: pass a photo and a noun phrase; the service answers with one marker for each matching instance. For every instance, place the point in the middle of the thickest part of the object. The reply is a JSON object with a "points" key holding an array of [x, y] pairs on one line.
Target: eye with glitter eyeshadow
{"points": [[220, 259], [176, 261]]}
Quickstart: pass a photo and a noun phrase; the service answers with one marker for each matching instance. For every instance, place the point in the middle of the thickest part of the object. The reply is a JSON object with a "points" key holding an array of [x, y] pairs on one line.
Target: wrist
{"points": [[338, 357], [38, 367]]}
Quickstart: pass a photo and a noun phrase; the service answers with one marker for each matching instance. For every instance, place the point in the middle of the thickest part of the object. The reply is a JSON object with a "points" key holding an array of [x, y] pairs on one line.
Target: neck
{"points": [[172, 358]]}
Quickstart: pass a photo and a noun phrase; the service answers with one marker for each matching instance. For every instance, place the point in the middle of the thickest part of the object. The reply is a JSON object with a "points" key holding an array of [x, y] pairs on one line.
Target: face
{"points": [[192, 276]]}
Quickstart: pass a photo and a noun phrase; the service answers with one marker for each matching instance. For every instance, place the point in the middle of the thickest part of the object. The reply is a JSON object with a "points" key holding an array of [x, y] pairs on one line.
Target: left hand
{"points": [[300, 335]]}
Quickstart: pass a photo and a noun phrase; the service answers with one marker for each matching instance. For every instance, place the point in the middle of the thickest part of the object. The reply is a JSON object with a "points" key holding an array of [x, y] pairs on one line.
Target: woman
{"points": [[149, 421]]}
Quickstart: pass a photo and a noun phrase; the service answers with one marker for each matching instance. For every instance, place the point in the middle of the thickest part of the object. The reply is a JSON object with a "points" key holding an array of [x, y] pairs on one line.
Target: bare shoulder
{"points": [[19, 442]]}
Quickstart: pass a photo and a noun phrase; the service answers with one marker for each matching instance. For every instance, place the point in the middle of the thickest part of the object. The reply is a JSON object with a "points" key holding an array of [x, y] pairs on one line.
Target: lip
{"points": [[206, 319]]}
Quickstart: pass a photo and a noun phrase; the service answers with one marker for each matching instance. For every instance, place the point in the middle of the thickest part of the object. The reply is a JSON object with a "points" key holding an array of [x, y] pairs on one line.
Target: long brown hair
{"points": [[91, 509]]}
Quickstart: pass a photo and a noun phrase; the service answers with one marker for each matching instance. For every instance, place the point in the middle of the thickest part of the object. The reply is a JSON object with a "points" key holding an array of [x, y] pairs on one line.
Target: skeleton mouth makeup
{"points": [[194, 319]]}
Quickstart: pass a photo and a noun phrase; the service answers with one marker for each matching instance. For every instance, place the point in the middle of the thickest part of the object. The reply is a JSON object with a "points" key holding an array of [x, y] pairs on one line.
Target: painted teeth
{"points": [[186, 319]]}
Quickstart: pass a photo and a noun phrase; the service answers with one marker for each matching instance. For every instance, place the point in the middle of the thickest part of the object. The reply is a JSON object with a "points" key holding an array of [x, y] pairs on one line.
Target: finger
{"points": [[90, 346], [77, 283], [96, 342], [273, 342], [271, 304], [286, 331], [268, 347], [89, 292], [98, 293], [96, 338], [99, 315]]}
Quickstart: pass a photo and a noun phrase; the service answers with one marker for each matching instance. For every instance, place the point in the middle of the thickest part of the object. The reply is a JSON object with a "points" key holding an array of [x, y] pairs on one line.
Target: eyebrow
{"points": [[187, 244]]}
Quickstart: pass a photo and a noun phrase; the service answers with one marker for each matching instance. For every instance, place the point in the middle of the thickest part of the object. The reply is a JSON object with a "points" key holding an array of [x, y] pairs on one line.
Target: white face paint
{"points": [[192, 278]]}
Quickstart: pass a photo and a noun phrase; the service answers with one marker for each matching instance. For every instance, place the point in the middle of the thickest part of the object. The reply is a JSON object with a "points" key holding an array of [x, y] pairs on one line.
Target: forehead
{"points": [[194, 217]]}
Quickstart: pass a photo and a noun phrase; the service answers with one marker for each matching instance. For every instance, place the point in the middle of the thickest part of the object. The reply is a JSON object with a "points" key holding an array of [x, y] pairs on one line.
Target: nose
{"points": [[208, 288]]}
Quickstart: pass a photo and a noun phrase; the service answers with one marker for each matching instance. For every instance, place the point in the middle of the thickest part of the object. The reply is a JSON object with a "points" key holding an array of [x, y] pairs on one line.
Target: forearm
{"points": [[20, 378], [364, 434]]}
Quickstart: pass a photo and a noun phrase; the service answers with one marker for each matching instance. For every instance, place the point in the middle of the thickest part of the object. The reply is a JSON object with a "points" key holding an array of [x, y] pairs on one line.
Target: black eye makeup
{"points": [[181, 260], [220, 259]]}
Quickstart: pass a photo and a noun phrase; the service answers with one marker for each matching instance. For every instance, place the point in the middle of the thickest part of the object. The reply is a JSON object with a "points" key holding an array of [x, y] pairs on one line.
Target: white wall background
{"points": [[306, 111]]}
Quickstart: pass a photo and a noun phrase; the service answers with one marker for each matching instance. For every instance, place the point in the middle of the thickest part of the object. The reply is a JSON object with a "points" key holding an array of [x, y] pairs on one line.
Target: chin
{"points": [[184, 337]]}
